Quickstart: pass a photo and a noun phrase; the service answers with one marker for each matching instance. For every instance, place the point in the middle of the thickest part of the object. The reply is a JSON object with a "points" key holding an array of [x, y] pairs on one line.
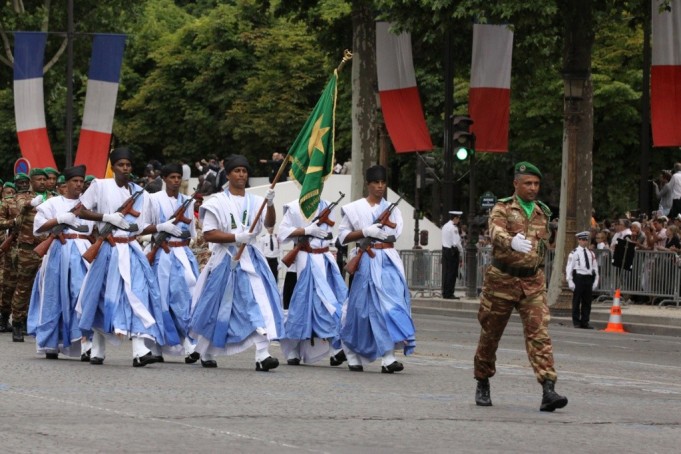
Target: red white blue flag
{"points": [[489, 97], [29, 105], [100, 103], [665, 76], [400, 101]]}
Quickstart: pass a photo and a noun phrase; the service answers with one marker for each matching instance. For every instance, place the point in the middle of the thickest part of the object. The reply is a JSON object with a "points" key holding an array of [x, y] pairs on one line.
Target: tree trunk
{"points": [[364, 87]]}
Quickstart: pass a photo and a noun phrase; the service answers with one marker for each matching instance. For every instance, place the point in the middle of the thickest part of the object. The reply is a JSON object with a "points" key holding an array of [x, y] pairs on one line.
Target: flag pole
{"points": [[347, 56]]}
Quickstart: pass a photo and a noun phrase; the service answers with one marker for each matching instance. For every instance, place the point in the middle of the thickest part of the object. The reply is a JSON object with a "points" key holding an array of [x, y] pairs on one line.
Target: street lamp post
{"points": [[574, 82]]}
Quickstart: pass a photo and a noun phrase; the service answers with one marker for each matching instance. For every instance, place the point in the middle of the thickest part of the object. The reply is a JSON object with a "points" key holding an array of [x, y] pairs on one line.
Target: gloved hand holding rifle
{"points": [[170, 228]]}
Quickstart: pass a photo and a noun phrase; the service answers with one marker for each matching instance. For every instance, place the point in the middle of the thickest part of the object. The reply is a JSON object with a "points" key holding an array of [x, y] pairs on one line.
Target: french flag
{"points": [[665, 76], [29, 104], [489, 96], [400, 101], [100, 103]]}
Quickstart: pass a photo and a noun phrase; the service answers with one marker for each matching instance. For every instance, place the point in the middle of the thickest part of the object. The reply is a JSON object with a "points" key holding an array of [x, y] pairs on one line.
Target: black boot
{"points": [[551, 399], [17, 332], [5, 326], [482, 394]]}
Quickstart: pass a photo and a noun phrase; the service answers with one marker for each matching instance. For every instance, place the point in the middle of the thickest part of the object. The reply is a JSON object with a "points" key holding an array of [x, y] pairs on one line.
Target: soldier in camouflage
{"points": [[8, 214], [26, 262], [519, 231]]}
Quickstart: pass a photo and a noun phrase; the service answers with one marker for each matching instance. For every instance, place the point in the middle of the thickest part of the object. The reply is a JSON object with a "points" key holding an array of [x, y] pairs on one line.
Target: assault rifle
{"points": [[161, 238], [58, 232], [365, 243], [322, 218], [105, 232]]}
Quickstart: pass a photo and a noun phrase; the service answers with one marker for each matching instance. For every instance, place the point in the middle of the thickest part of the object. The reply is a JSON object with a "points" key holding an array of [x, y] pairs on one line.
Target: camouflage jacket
{"points": [[22, 202], [508, 219], [8, 211]]}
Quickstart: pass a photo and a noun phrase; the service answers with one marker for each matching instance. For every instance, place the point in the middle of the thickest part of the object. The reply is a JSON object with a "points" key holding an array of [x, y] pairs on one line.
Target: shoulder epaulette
{"points": [[505, 199], [545, 208]]}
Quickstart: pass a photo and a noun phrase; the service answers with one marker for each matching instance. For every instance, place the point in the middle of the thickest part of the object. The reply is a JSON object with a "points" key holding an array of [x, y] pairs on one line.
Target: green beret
{"points": [[61, 179], [9, 184], [38, 173], [20, 176], [51, 170], [89, 178], [525, 168]]}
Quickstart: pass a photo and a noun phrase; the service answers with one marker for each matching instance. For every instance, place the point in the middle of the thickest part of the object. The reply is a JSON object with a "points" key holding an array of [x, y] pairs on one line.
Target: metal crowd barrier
{"points": [[655, 274]]}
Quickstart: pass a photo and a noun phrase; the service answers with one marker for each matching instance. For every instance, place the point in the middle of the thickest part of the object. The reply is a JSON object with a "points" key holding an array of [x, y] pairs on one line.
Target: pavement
{"points": [[636, 318]]}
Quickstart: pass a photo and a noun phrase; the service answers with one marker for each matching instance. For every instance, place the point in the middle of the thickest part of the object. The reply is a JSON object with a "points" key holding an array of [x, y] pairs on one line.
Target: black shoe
{"points": [[5, 325], [551, 400], [356, 368], [159, 359], [293, 362], [51, 356], [576, 325], [393, 367], [455, 298], [482, 394], [96, 361], [338, 359], [142, 361], [17, 332], [448, 297], [85, 357], [192, 358], [266, 364], [586, 326], [209, 363]]}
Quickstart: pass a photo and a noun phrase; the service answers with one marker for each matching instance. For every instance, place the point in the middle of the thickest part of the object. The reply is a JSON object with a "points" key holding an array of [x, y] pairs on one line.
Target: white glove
{"points": [[571, 286], [315, 231], [595, 284], [68, 219], [374, 231], [169, 227], [520, 244], [244, 237], [37, 200], [116, 219], [270, 197]]}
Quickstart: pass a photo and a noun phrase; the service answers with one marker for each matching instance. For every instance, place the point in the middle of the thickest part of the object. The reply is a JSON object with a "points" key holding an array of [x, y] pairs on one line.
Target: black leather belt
{"points": [[513, 270]]}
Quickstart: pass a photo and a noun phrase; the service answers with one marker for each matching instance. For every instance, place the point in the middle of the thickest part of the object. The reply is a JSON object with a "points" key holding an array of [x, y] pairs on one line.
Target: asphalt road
{"points": [[624, 396]]}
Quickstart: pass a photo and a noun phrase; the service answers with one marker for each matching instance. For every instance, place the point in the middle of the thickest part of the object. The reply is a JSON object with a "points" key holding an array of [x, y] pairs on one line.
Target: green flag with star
{"points": [[312, 153]]}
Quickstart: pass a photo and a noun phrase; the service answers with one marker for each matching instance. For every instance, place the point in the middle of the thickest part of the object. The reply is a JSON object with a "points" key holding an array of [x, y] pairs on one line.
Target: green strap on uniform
{"points": [[528, 207]]}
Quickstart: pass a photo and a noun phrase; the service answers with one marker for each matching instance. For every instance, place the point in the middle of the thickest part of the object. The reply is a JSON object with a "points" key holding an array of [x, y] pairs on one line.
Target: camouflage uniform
{"points": [[516, 280], [25, 262], [8, 212]]}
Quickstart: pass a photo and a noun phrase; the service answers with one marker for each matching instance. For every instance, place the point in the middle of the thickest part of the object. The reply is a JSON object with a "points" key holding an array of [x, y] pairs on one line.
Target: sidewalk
{"points": [[636, 318]]}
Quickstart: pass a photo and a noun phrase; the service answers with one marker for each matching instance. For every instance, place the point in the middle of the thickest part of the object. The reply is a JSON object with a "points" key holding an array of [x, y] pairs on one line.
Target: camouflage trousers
{"points": [[9, 282], [493, 316], [26, 264]]}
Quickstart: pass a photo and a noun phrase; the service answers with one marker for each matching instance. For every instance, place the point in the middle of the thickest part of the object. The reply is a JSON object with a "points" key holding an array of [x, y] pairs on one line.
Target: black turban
{"points": [[75, 171], [376, 173], [120, 153], [167, 169], [234, 161]]}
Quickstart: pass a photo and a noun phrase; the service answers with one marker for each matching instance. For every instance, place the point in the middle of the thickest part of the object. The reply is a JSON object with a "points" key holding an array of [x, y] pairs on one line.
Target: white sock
{"points": [[261, 354], [388, 359], [138, 347], [98, 345]]}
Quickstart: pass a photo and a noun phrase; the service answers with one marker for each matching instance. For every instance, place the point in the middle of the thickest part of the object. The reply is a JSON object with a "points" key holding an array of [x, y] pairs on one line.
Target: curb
{"points": [[633, 323]]}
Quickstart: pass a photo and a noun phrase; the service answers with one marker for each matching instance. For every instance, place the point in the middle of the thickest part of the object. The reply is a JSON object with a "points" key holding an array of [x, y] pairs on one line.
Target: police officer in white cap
{"points": [[582, 277], [451, 254]]}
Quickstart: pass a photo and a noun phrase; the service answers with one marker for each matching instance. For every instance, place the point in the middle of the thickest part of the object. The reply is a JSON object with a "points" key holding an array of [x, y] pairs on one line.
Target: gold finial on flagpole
{"points": [[347, 56]]}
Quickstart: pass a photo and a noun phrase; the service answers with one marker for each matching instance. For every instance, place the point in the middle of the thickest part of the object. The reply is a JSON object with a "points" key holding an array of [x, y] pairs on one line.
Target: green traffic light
{"points": [[463, 153]]}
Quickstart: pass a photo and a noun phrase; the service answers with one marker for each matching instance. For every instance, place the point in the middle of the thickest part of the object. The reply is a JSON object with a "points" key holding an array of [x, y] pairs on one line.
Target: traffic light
{"points": [[462, 138]]}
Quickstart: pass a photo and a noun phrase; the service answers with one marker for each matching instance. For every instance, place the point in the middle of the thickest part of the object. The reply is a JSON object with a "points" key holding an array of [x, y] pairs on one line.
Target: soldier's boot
{"points": [[17, 332], [551, 399], [5, 326], [482, 394]]}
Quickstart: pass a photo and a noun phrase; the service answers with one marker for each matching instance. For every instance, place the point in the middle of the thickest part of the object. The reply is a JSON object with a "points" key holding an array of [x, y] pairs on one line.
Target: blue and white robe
{"points": [[120, 294], [235, 304], [313, 320], [176, 271], [52, 316], [377, 315]]}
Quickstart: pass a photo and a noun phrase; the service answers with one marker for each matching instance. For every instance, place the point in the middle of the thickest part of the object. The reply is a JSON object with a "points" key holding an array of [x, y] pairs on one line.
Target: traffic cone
{"points": [[615, 321]]}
